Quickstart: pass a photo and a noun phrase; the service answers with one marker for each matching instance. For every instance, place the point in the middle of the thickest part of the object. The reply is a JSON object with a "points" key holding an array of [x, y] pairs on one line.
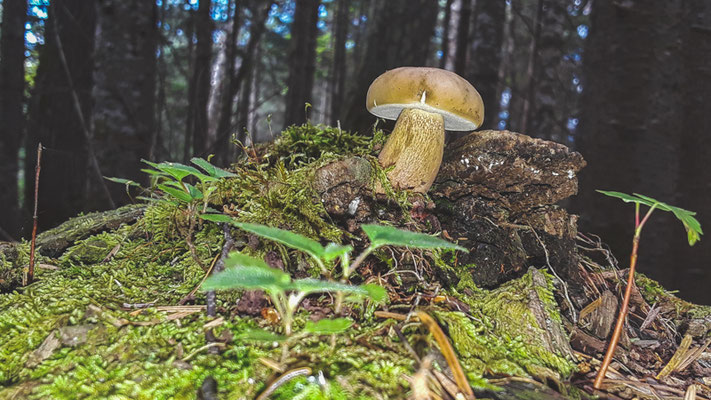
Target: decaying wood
{"points": [[54, 241]]}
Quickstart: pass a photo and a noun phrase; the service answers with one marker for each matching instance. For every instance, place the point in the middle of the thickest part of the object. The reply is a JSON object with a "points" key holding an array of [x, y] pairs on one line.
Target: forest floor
{"points": [[114, 311]]}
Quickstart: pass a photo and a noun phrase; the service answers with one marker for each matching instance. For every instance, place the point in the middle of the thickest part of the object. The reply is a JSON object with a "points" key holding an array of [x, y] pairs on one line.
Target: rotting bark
{"points": [[53, 242]]}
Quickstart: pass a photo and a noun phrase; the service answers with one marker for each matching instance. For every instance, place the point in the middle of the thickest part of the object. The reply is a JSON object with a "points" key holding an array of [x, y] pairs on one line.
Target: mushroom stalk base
{"points": [[415, 148]]}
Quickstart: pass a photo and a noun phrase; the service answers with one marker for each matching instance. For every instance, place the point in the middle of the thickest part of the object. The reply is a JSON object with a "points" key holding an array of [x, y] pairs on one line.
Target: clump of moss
{"points": [[299, 145], [504, 337]]}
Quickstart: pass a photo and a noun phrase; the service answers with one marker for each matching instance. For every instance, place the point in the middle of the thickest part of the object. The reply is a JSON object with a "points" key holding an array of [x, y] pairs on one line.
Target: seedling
{"points": [[250, 273], [170, 179], [245, 272], [693, 231]]}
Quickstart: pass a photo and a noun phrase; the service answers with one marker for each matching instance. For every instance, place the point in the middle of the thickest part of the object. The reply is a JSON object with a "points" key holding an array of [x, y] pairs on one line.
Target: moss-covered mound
{"points": [[112, 315]]}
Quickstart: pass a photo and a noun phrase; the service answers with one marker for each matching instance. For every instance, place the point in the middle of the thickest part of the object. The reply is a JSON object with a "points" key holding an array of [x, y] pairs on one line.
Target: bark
{"points": [[446, 29], [201, 77], [302, 61], [449, 38], [225, 129], [230, 87], [124, 91], [399, 34], [694, 174], [54, 118], [462, 39], [553, 92], [339, 67], [485, 56], [629, 132], [12, 86]]}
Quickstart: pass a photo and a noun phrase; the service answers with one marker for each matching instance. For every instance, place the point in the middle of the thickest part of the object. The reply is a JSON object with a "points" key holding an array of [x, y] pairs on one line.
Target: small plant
{"points": [[246, 272], [693, 231], [170, 178]]}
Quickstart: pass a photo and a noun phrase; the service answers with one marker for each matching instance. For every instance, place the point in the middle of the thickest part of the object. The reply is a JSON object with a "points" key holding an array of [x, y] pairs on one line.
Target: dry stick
{"points": [[625, 301], [80, 115], [31, 268], [448, 352]]}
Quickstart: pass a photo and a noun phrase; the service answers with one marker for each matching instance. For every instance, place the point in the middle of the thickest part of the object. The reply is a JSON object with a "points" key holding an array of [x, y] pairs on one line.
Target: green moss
{"points": [[304, 144], [140, 356], [504, 337]]}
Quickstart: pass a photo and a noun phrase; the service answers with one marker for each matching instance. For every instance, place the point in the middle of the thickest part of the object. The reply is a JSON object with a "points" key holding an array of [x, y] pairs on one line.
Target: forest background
{"points": [[103, 84]]}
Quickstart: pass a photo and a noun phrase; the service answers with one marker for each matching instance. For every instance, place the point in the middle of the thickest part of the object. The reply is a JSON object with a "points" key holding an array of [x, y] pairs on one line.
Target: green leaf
{"points": [[217, 218], [211, 170], [261, 336], [376, 292], [176, 193], [333, 251], [287, 238], [381, 235], [195, 193], [248, 277], [310, 285], [691, 224], [176, 170], [122, 181], [328, 326], [237, 259]]}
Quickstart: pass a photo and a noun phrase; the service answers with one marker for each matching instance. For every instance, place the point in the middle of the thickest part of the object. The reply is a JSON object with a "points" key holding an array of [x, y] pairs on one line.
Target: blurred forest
{"points": [[102, 84]]}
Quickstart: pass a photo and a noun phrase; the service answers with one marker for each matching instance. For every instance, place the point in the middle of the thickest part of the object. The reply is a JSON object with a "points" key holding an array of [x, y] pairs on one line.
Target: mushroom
{"points": [[425, 102]]}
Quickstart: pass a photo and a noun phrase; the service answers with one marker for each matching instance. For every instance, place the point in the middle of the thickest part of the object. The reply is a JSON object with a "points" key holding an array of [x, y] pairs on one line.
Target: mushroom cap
{"points": [[429, 89]]}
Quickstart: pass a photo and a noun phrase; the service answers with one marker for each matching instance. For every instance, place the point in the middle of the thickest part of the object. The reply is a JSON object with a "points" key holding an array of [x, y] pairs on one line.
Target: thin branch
{"points": [[31, 268]]}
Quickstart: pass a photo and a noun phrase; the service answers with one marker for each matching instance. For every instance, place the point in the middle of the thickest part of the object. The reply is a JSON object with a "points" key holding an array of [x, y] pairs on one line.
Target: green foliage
{"points": [[328, 326], [381, 235], [244, 272], [691, 224]]}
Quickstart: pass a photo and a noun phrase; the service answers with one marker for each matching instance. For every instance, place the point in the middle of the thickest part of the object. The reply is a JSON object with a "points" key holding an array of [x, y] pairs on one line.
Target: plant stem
{"points": [[625, 301], [31, 268]]}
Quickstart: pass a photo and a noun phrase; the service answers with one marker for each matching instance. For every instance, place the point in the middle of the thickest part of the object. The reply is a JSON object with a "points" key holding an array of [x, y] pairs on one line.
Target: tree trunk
{"points": [[302, 61], [399, 34], [446, 30], [12, 87], [694, 173], [629, 133], [54, 118], [553, 91], [124, 92], [485, 56], [201, 77], [221, 147], [339, 67], [462, 40]]}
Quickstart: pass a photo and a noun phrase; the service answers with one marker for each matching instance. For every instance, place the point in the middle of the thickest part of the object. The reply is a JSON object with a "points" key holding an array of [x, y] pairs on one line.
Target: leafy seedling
{"points": [[693, 232], [245, 272]]}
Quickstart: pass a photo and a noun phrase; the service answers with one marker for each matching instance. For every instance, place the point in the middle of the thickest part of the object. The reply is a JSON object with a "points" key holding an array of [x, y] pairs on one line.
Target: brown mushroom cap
{"points": [[430, 89]]}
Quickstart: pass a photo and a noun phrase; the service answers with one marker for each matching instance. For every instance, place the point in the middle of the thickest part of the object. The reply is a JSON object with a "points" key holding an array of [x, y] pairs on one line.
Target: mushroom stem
{"points": [[415, 148]]}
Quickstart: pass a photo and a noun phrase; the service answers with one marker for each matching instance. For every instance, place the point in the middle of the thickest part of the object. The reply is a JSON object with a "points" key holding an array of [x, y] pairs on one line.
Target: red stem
{"points": [[621, 317], [31, 268]]}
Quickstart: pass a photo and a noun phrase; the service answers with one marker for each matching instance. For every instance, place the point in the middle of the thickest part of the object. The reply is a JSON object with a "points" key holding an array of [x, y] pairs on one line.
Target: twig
{"points": [[285, 377], [448, 352], [211, 296], [31, 268]]}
